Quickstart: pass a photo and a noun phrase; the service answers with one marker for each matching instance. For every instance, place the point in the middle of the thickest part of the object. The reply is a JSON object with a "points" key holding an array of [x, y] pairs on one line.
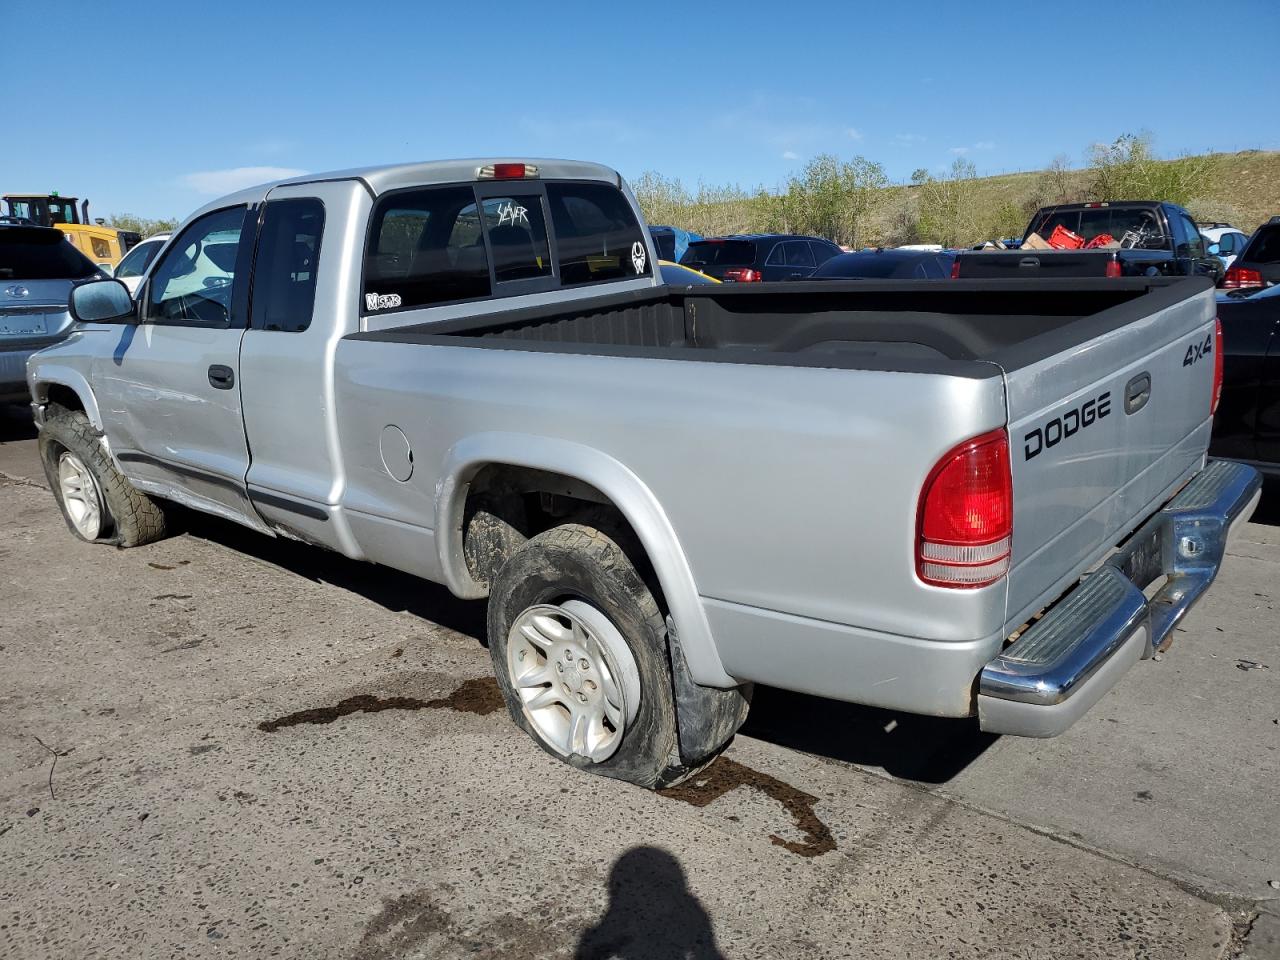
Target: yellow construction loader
{"points": [[102, 244]]}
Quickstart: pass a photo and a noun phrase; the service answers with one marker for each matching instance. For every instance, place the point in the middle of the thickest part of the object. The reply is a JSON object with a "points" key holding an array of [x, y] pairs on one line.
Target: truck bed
{"points": [[919, 326]]}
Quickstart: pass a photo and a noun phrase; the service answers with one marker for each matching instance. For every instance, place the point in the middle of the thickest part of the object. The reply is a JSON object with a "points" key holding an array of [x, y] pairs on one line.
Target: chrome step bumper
{"points": [[1063, 664]]}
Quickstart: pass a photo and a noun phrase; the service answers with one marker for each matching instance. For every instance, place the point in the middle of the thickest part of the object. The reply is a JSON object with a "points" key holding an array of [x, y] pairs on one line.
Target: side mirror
{"points": [[1214, 248], [102, 301]]}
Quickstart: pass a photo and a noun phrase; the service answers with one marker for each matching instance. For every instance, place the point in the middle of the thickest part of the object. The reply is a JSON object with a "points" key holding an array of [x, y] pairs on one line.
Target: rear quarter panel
{"points": [[789, 489]]}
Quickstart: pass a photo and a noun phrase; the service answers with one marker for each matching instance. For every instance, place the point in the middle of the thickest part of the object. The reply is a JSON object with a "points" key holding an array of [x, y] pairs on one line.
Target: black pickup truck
{"points": [[1155, 239]]}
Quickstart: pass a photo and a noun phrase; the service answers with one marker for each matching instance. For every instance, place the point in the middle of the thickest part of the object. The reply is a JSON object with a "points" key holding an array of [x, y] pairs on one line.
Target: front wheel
{"points": [[98, 503], [579, 646]]}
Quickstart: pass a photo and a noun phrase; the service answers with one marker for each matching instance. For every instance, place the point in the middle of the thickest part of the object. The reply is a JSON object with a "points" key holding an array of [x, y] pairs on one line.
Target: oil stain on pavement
{"points": [[725, 774], [480, 696]]}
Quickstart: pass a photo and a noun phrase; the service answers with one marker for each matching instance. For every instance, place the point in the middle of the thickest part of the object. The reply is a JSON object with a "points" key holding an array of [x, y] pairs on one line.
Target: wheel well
{"points": [[506, 505], [60, 395]]}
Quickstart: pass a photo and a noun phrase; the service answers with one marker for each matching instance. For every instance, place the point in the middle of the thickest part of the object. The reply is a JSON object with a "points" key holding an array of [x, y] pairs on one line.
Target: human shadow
{"points": [[400, 592], [652, 914], [929, 750]]}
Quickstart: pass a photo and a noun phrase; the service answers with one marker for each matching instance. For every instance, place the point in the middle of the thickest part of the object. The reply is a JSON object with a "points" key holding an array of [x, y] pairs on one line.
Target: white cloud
{"points": [[958, 151], [790, 155], [853, 133], [981, 145], [217, 182], [984, 145]]}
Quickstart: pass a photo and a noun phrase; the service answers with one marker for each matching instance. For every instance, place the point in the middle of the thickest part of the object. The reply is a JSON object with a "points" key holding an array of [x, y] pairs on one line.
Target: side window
{"points": [[517, 237], [777, 256], [139, 258], [284, 270], [597, 235], [425, 247], [101, 249], [194, 281], [822, 252], [798, 254]]}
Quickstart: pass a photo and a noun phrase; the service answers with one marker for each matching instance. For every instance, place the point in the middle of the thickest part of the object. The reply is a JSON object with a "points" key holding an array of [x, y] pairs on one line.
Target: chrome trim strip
{"points": [[1057, 657]]}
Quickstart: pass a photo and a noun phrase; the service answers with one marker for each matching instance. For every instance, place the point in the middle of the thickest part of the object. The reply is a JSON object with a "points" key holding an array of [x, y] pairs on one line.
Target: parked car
{"points": [[37, 271], [672, 242], [755, 257], [1258, 264], [857, 490], [1224, 241], [676, 274], [136, 261], [1247, 425], [1164, 242], [882, 264]]}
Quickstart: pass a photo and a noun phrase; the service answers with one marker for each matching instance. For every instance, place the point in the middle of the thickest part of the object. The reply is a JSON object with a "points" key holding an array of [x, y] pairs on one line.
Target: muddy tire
{"points": [[571, 604], [98, 504]]}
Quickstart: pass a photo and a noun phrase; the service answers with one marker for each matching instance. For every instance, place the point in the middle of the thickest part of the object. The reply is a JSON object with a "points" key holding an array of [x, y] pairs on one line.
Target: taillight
{"points": [[1113, 268], [742, 275], [965, 519], [1217, 366], [955, 269], [507, 171], [1237, 277]]}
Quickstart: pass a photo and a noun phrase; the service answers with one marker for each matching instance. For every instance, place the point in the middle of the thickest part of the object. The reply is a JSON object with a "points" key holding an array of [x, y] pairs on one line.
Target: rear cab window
{"points": [[720, 253], [1263, 248], [430, 246]]}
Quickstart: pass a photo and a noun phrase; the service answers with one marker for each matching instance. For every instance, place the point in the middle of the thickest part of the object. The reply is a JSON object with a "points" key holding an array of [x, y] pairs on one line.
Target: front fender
{"points": [[616, 481], [42, 374]]}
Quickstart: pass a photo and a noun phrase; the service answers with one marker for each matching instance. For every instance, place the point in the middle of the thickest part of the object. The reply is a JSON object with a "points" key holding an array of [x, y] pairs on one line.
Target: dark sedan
{"points": [[1247, 425], [752, 258], [888, 265]]}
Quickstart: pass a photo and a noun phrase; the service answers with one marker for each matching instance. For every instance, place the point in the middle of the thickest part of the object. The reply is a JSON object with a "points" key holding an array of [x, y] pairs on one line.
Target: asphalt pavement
{"points": [[226, 745]]}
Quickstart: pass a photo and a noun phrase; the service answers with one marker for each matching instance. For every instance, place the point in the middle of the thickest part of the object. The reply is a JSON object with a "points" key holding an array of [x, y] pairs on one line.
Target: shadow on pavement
{"points": [[929, 750], [16, 423], [1268, 511], [652, 914], [382, 585]]}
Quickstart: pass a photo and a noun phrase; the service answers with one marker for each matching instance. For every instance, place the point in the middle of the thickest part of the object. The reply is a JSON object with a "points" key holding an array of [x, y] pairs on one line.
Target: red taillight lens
{"points": [[1113, 268], [955, 269], [1217, 366], [1237, 277], [742, 275], [965, 519]]}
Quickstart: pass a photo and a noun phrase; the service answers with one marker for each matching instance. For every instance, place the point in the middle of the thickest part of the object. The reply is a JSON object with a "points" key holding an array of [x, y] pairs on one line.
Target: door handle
{"points": [[221, 377], [1136, 393]]}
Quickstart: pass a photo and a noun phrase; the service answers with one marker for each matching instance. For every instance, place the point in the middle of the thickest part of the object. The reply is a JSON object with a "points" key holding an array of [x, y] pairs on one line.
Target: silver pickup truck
{"points": [[956, 498]]}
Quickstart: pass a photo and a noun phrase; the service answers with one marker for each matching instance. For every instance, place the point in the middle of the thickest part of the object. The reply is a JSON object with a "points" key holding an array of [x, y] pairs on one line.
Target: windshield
{"points": [[34, 253], [721, 253]]}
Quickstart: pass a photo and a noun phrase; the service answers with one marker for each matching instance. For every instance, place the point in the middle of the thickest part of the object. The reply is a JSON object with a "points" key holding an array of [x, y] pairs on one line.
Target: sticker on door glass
{"points": [[511, 212], [381, 301], [638, 256]]}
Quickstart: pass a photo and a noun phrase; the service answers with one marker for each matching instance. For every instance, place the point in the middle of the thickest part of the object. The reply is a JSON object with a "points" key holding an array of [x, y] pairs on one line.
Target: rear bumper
{"points": [[1063, 664], [14, 355]]}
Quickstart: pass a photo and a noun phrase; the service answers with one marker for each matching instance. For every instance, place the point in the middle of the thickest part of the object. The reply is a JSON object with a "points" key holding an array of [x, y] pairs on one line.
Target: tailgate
{"points": [[1102, 431], [1045, 264]]}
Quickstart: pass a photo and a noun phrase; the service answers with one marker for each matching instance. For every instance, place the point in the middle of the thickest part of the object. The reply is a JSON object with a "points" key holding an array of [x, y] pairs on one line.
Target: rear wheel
{"points": [[579, 646], [98, 503]]}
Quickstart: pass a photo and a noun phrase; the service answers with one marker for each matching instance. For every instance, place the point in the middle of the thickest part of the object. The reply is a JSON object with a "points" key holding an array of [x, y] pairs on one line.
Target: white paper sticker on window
{"points": [[381, 301], [638, 256]]}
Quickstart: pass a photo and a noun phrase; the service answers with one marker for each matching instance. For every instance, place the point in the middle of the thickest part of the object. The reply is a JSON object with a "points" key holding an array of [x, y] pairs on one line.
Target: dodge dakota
{"points": [[956, 498]]}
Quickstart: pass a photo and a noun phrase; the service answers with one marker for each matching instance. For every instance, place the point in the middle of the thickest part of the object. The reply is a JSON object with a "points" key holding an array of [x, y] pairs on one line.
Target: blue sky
{"points": [[177, 103]]}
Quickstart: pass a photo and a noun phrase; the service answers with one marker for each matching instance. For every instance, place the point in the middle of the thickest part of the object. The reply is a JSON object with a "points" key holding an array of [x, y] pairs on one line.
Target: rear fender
{"points": [[626, 491]]}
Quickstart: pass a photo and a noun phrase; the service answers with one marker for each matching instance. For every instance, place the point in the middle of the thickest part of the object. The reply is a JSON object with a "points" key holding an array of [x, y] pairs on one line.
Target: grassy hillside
{"points": [[1239, 188]]}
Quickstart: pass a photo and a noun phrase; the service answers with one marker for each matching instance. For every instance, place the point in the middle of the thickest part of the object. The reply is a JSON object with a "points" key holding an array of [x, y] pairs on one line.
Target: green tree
{"points": [[949, 206], [1128, 169], [142, 225], [830, 197]]}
